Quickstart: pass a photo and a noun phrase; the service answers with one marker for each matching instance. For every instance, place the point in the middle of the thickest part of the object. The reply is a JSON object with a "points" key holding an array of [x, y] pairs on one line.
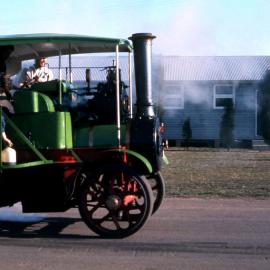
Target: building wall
{"points": [[198, 105]]}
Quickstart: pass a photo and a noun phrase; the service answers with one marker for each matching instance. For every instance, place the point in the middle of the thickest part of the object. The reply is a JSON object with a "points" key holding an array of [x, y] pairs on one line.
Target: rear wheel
{"points": [[114, 201]]}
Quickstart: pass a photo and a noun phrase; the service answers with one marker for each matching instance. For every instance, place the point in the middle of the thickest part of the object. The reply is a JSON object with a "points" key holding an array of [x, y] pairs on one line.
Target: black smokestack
{"points": [[142, 44]]}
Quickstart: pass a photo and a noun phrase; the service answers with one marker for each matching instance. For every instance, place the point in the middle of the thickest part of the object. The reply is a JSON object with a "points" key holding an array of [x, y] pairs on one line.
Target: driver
{"points": [[40, 73], [37, 73]]}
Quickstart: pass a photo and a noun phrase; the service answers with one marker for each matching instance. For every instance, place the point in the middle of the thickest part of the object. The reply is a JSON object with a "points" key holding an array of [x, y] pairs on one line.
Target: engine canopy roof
{"points": [[30, 46]]}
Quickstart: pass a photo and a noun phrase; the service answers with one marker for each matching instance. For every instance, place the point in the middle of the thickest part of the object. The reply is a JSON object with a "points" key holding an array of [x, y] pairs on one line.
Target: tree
{"points": [[160, 112], [264, 105], [187, 131], [227, 125]]}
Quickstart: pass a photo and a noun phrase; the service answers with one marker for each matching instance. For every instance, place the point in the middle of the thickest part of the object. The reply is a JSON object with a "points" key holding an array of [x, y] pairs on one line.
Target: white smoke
{"points": [[14, 213], [196, 94], [211, 28], [186, 33]]}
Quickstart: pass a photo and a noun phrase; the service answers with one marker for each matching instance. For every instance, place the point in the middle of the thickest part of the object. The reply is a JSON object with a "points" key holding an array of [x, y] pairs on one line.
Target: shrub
{"points": [[187, 132], [264, 103], [227, 125]]}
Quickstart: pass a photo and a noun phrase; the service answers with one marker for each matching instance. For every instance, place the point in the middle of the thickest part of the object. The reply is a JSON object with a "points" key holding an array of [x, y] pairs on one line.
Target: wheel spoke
{"points": [[94, 209], [133, 218], [93, 199], [138, 206], [94, 187], [105, 218], [101, 205], [115, 221]]}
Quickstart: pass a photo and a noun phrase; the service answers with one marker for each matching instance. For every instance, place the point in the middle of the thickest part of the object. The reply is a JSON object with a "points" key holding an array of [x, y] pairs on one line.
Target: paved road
{"points": [[183, 234]]}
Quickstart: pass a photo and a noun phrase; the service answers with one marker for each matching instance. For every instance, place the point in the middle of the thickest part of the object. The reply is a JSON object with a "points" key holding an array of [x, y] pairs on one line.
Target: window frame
{"points": [[215, 96], [173, 95]]}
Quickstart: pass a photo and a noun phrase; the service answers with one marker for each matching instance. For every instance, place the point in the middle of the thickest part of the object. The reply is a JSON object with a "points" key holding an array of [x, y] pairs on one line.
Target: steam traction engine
{"points": [[98, 156]]}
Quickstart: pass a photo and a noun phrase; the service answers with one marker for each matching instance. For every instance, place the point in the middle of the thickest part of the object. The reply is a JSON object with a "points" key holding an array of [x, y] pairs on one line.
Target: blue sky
{"points": [[182, 27]]}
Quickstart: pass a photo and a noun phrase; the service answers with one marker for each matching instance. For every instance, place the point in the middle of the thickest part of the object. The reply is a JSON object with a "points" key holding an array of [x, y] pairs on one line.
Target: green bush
{"points": [[264, 105], [227, 125], [187, 132]]}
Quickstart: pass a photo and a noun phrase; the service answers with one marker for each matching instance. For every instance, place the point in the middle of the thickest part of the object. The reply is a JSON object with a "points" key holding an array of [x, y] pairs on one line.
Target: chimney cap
{"points": [[142, 36]]}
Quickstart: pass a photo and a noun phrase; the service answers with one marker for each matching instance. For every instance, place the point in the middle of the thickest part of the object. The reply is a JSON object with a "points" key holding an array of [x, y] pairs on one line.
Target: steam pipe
{"points": [[142, 44], [130, 85], [60, 76], [118, 121]]}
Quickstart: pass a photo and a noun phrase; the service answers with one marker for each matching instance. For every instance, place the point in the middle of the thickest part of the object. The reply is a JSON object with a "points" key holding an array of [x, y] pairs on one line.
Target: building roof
{"points": [[205, 68]]}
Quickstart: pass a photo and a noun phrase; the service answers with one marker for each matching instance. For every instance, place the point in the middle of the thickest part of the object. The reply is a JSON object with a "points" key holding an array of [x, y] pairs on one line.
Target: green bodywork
{"points": [[98, 136], [46, 125], [46, 130], [19, 134], [37, 119], [41, 121], [51, 86], [57, 89], [32, 102]]}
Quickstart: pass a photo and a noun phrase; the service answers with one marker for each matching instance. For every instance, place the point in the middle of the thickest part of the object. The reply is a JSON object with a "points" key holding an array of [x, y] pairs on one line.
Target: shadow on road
{"points": [[46, 228]]}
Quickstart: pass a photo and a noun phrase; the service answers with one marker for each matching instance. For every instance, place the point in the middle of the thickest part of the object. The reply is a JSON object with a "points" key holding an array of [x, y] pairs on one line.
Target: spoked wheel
{"points": [[157, 184], [114, 201]]}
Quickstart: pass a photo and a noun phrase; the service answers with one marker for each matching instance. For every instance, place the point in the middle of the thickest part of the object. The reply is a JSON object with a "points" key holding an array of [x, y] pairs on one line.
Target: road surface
{"points": [[184, 234]]}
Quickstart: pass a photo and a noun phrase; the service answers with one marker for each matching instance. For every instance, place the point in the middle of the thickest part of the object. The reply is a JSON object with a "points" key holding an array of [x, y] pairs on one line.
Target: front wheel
{"points": [[114, 201], [157, 184]]}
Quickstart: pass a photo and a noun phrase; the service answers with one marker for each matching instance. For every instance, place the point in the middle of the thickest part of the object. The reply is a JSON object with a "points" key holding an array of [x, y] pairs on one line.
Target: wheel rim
{"points": [[157, 184], [115, 202]]}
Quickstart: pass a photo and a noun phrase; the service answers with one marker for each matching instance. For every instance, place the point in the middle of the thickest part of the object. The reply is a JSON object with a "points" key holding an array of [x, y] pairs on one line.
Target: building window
{"points": [[222, 93], [173, 97]]}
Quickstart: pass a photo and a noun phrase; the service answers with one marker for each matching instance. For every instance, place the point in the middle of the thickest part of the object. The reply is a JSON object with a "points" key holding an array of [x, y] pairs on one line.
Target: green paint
{"points": [[28, 164], [46, 130], [32, 102], [36, 117], [51, 86], [98, 136], [22, 137]]}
